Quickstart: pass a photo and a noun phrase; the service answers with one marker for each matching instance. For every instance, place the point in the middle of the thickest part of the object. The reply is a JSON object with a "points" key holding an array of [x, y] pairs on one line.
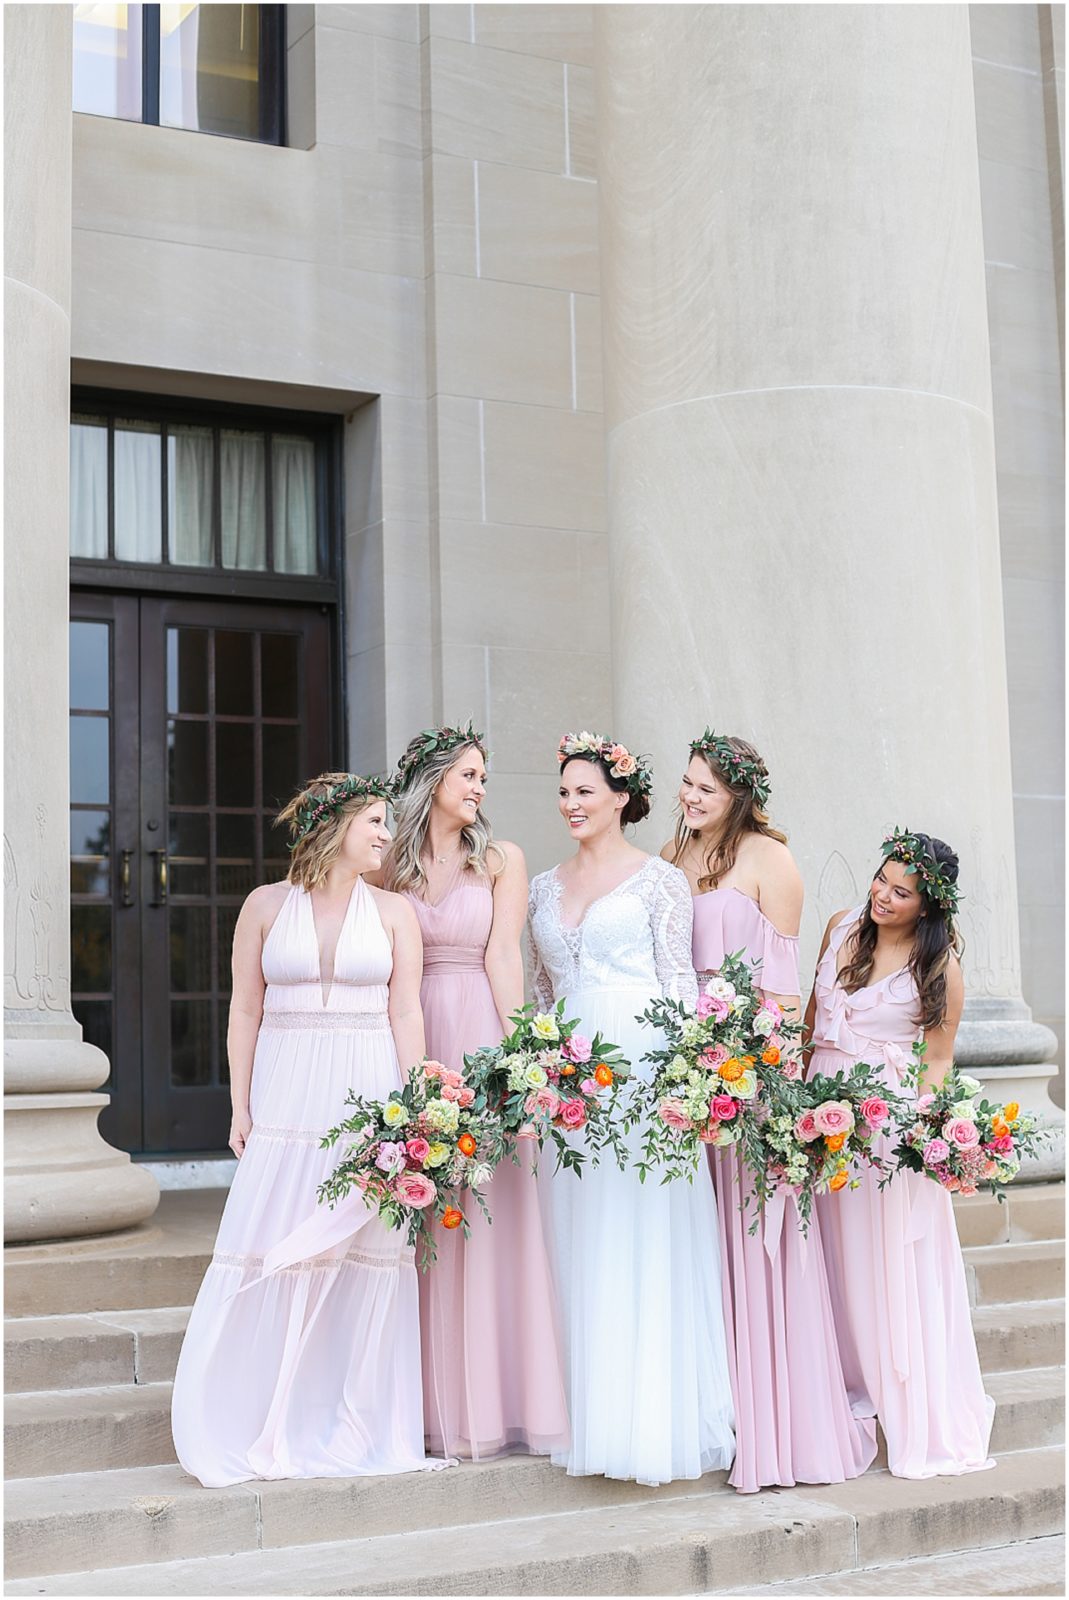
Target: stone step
{"points": [[1029, 1211], [1007, 1272], [1029, 1409], [1028, 1334], [678, 1545], [72, 1352], [1035, 1566]]}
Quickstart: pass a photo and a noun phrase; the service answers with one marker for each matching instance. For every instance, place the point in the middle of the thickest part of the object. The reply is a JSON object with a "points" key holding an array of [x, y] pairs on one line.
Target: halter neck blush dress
{"points": [[894, 1262], [793, 1418], [302, 1360], [492, 1378]]}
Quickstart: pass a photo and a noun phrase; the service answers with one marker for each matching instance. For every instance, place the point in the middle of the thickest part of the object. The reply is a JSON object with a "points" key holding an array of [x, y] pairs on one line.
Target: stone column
{"points": [[802, 506], [60, 1178]]}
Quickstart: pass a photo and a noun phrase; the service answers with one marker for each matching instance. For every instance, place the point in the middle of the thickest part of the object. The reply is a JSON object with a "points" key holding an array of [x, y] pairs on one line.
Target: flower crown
{"points": [[735, 767], [936, 884], [432, 741], [354, 787], [635, 770]]}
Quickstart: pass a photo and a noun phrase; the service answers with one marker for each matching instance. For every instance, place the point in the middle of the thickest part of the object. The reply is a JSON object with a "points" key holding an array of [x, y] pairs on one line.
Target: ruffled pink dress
{"points": [[893, 1258], [492, 1377], [793, 1418]]}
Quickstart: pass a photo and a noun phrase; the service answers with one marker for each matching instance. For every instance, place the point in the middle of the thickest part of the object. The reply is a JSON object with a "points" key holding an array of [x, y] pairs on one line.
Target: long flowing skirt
{"points": [[793, 1420], [492, 1377], [313, 1371], [639, 1284], [901, 1307]]}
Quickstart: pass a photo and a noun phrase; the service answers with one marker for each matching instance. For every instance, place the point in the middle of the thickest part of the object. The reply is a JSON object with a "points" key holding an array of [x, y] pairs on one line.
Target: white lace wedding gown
{"points": [[637, 1265]]}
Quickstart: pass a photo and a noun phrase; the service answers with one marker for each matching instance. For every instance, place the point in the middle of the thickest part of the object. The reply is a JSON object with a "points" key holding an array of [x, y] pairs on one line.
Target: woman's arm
{"points": [[504, 956], [811, 1009], [939, 1056], [247, 1005], [406, 1013]]}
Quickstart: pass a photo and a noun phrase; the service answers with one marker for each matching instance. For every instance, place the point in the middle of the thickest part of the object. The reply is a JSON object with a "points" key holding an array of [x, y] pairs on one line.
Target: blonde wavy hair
{"points": [[412, 815], [315, 851]]}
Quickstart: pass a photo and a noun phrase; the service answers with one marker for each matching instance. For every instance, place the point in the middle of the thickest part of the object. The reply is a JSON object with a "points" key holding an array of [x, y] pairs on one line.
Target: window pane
{"points": [[234, 778], [107, 61], [89, 487], [187, 755], [189, 496], [233, 674], [210, 69], [138, 517], [281, 763], [191, 1043], [244, 518], [278, 671], [187, 670], [89, 761], [293, 484], [191, 948], [90, 833], [90, 948], [89, 666]]}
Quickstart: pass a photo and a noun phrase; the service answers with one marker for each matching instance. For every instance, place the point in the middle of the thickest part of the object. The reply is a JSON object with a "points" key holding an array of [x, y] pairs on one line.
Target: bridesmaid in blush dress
{"points": [[492, 1376], [793, 1419], [888, 975]]}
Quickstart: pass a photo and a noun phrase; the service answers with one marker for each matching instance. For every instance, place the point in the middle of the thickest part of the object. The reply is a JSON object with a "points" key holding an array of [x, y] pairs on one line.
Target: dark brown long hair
{"points": [[745, 816], [934, 939]]}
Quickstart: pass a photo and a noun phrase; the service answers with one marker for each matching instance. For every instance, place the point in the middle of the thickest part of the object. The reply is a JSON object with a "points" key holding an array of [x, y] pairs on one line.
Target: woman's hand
{"points": [[240, 1128]]}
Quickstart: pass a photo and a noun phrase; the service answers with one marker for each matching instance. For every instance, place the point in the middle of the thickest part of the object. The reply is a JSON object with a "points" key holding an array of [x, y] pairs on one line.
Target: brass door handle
{"points": [[161, 877], [126, 897]]}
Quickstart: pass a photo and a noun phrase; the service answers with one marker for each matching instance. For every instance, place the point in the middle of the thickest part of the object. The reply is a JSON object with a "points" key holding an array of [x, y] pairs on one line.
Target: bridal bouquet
{"points": [[413, 1155], [724, 1069], [959, 1139], [547, 1081]]}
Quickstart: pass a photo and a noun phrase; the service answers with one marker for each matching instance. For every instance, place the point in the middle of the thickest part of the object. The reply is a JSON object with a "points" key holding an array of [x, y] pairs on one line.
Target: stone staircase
{"points": [[95, 1504]]}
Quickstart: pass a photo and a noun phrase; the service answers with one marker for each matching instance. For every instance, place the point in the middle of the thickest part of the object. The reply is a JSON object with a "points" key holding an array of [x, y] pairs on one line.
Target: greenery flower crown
{"points": [[431, 742], [735, 767], [635, 770], [319, 806], [936, 884]]}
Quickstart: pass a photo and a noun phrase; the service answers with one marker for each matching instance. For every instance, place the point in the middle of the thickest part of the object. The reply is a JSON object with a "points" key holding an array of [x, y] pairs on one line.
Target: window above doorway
{"points": [[207, 68]]}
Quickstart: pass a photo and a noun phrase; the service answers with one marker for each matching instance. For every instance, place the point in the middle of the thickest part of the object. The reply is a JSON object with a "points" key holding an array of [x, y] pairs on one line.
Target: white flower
{"points": [[720, 989], [443, 1116], [543, 1026], [691, 1032], [536, 1077], [678, 1068], [969, 1086], [478, 1174], [963, 1108], [744, 1088], [764, 1023], [740, 1004]]}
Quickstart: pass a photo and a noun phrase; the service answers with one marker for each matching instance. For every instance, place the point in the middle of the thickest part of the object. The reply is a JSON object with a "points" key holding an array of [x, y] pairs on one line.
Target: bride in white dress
{"points": [[636, 1264]]}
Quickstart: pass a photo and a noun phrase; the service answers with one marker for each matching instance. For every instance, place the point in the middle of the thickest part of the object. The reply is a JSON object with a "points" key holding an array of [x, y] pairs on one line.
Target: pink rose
{"points": [[951, 1183], [418, 1150], [806, 1126], [590, 1086], [414, 1189], [832, 1117], [924, 1103], [673, 1115], [967, 1188], [451, 1091], [961, 1132], [936, 1151], [617, 752], [875, 1111], [391, 1157], [623, 766], [704, 1008], [453, 1079], [544, 1099], [1003, 1144], [721, 1008], [723, 1107], [775, 1011], [578, 1049], [573, 1113], [433, 1069], [714, 1054], [791, 1068], [465, 1097]]}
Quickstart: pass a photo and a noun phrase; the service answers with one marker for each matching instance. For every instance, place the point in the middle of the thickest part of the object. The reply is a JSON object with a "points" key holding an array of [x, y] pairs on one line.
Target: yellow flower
{"points": [[437, 1153], [394, 1114], [543, 1026]]}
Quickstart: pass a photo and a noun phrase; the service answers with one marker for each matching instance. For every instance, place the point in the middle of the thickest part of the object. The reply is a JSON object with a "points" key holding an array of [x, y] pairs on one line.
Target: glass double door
{"points": [[191, 724]]}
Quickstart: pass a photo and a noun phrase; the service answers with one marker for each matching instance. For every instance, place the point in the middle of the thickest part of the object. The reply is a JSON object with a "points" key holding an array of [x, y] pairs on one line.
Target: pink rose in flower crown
{"points": [[673, 1115], [414, 1189], [544, 1099], [578, 1049], [573, 1113], [714, 1054], [723, 1107], [418, 1150], [833, 1117], [936, 1151], [623, 766], [617, 752], [875, 1111], [806, 1127], [590, 1086], [961, 1133]]}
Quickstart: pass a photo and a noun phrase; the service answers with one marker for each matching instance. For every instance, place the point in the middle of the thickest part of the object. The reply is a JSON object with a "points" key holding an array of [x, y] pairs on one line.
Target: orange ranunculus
{"points": [[748, 1063], [451, 1217], [834, 1141], [1011, 1111], [840, 1179], [731, 1070], [567, 1070], [466, 1144], [770, 1057], [603, 1075]]}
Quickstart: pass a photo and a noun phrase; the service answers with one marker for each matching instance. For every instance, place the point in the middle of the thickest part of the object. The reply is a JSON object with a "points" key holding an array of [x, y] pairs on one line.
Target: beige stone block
{"points": [[535, 695], [1023, 321], [456, 455], [507, 585], [1008, 34], [582, 140], [544, 468], [495, 106], [563, 33], [368, 91], [405, 465], [588, 386], [449, 187], [1017, 221], [390, 22], [407, 592], [365, 672], [37, 76], [1031, 526], [1009, 116], [300, 19], [1028, 422], [362, 466], [301, 89], [594, 578], [1043, 974], [448, 22], [1035, 649], [465, 677], [537, 227], [364, 578], [398, 97], [503, 341], [1040, 833]]}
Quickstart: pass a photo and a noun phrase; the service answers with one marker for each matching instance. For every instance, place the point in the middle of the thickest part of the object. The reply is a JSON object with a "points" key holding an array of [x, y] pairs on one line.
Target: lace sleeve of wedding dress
{"points": [[541, 984], [672, 920]]}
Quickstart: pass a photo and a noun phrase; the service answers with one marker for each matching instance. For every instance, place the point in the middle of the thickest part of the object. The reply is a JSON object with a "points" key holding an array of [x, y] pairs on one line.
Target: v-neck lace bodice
{"points": [[363, 958]]}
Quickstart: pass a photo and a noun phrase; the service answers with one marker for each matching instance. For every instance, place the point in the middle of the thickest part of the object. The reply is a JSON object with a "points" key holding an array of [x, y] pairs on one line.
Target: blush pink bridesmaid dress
{"points": [[793, 1418], [492, 1378], [893, 1258]]}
